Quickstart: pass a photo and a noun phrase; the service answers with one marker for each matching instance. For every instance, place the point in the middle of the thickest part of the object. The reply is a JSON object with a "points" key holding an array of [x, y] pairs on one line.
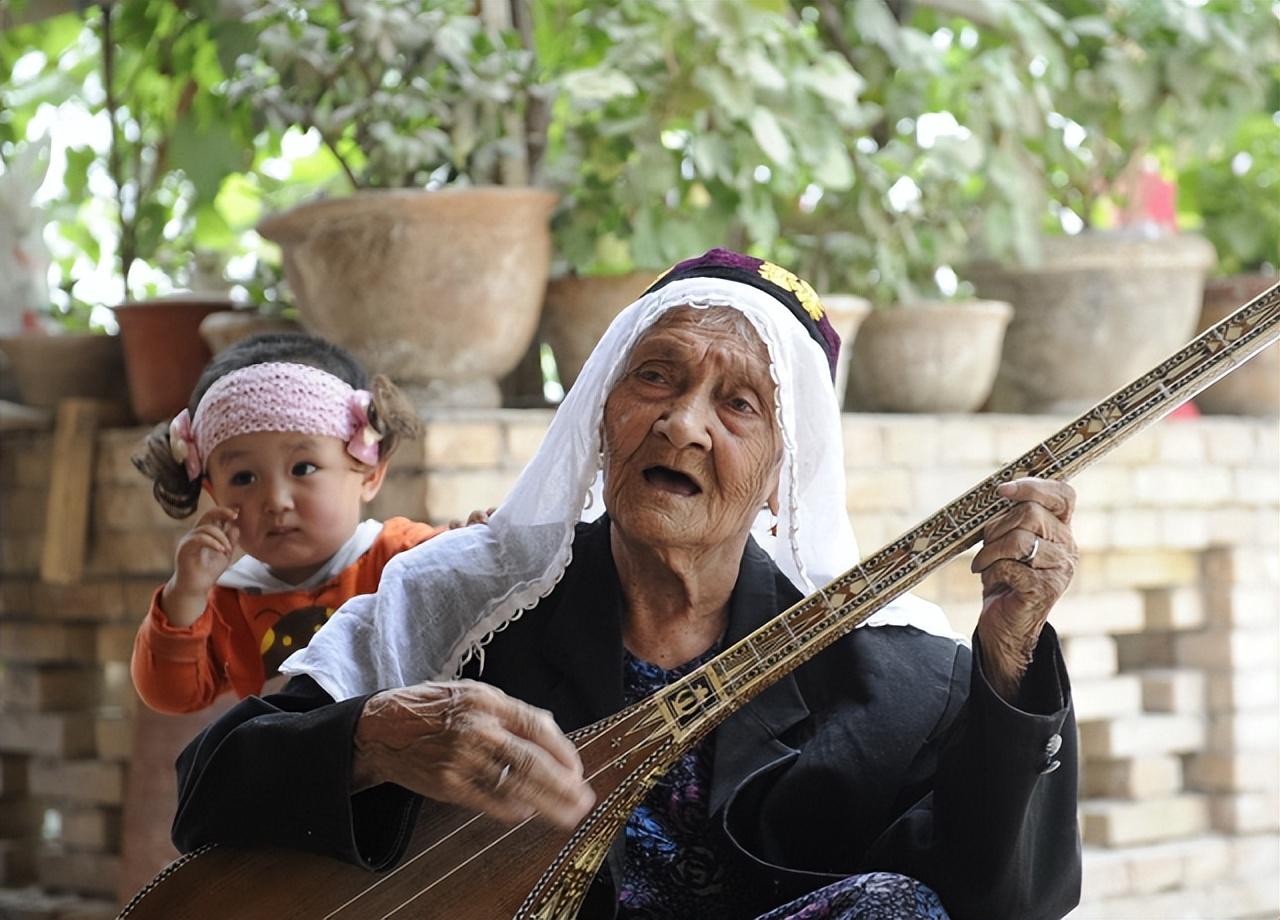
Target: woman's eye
{"points": [[242, 478], [742, 404], [650, 375], [303, 468]]}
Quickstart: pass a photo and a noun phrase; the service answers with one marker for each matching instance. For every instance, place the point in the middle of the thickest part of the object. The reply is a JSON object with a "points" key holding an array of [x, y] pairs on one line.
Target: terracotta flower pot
{"points": [[48, 368], [1255, 388], [1101, 309], [163, 351], [579, 309], [927, 357], [439, 290]]}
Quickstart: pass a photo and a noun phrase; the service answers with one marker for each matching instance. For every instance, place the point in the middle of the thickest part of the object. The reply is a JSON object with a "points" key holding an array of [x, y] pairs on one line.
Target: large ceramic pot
{"points": [[1253, 389], [1098, 311], [48, 368], [163, 351], [927, 357], [579, 309], [223, 329], [845, 312], [439, 290]]}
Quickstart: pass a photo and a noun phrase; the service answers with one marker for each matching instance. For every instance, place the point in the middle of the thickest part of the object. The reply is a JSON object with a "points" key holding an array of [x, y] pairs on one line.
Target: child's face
{"points": [[298, 496]]}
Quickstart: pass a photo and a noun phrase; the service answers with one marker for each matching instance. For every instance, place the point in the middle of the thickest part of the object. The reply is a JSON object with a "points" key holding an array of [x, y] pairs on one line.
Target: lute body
{"points": [[468, 867], [458, 864]]}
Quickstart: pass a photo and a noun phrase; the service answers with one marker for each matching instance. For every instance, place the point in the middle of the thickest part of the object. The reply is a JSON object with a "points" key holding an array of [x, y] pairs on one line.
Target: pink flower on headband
{"points": [[364, 440], [182, 445]]}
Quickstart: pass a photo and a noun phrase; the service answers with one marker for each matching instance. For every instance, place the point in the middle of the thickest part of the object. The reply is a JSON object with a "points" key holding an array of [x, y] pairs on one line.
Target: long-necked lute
{"points": [[464, 865]]}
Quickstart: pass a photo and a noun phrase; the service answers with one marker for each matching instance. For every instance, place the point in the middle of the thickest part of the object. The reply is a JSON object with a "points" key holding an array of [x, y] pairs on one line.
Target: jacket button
{"points": [[1053, 745], [1050, 767]]}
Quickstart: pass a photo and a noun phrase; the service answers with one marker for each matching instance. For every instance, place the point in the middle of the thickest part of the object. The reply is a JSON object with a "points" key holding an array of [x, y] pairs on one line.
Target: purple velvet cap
{"points": [[791, 292]]}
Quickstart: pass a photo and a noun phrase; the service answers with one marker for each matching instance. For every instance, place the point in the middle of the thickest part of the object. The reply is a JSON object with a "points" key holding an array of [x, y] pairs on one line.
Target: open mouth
{"points": [[669, 480]]}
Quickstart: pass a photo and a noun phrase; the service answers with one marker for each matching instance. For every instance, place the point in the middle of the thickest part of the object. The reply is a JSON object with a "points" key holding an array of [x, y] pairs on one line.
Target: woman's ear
{"points": [[372, 482], [773, 501]]}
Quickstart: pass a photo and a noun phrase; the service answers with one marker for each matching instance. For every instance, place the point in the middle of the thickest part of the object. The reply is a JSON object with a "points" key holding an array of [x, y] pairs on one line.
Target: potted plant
{"points": [[683, 126], [1131, 91], [432, 269], [43, 361], [174, 136], [1234, 193], [926, 345], [897, 233]]}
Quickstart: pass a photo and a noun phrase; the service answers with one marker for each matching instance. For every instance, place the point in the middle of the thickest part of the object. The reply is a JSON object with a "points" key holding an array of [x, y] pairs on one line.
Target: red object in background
{"points": [[1151, 198], [1187, 410]]}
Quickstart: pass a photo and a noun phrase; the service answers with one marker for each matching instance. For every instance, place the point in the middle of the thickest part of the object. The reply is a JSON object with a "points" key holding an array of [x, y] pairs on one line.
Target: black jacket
{"points": [[887, 751]]}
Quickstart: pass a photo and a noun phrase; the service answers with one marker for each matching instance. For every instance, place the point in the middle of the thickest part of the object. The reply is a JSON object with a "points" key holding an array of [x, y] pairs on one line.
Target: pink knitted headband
{"points": [[275, 396]]}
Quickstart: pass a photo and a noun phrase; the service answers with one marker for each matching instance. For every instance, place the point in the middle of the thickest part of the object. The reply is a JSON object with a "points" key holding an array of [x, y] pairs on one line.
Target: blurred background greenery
{"points": [[877, 146]]}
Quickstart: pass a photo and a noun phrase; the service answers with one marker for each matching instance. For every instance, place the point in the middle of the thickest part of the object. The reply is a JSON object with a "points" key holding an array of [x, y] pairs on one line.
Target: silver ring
{"points": [[1035, 548], [502, 776]]}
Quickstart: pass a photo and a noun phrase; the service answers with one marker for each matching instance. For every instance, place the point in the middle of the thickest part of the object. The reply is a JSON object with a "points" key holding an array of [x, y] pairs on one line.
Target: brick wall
{"points": [[1171, 630]]}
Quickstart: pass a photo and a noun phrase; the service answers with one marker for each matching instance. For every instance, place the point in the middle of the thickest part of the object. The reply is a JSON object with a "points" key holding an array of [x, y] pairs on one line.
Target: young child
{"points": [[284, 435]]}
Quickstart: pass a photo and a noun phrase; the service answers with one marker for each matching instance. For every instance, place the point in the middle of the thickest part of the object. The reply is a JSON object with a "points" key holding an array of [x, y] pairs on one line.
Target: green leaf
{"points": [[768, 134], [211, 230], [76, 178], [206, 154], [78, 235]]}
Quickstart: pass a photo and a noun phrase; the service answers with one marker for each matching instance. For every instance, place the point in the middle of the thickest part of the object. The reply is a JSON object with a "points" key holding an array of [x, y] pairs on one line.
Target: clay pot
{"points": [[845, 312], [441, 290], [578, 310], [1253, 389], [48, 368], [223, 329], [927, 357], [1099, 310], [163, 351]]}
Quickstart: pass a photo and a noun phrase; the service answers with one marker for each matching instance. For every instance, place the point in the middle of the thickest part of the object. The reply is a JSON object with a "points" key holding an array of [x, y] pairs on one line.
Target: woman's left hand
{"points": [[1027, 559]]}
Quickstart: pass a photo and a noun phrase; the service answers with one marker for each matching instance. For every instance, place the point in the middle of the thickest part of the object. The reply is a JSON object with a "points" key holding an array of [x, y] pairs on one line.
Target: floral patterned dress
{"points": [[677, 866]]}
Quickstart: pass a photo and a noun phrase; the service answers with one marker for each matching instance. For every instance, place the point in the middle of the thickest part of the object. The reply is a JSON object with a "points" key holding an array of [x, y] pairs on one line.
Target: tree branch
{"points": [[127, 253]]}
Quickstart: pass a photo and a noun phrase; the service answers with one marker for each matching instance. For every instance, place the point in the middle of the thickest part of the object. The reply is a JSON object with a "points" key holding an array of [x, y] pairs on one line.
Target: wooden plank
{"points": [[66, 523]]}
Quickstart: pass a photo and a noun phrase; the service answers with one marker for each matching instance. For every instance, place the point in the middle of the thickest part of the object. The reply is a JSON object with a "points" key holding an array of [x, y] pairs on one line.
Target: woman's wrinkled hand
{"points": [[475, 517], [469, 744], [1027, 559]]}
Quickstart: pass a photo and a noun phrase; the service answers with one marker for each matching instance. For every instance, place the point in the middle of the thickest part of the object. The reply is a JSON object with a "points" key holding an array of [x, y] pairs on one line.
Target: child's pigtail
{"points": [[392, 416], [175, 492]]}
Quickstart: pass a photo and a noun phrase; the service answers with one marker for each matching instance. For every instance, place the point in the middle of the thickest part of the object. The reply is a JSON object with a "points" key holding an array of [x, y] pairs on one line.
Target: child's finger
{"points": [[213, 536], [215, 541], [220, 516]]}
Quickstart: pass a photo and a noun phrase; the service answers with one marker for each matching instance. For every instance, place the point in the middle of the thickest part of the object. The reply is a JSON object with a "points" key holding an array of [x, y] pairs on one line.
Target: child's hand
{"points": [[203, 554], [475, 517]]}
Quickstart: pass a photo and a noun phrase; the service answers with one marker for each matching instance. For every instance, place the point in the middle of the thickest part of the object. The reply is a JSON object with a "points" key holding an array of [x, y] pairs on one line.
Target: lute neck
{"points": [[688, 709]]}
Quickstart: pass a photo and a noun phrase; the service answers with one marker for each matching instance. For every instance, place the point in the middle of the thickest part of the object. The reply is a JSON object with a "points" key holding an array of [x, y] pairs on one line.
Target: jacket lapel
{"points": [[749, 738], [583, 638]]}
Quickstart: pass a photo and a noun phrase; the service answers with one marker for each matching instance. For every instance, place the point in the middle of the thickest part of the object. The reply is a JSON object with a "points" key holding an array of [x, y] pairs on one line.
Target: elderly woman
{"points": [[896, 774]]}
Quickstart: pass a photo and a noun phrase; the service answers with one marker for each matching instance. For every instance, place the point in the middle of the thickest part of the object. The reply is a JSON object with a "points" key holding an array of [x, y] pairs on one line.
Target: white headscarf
{"points": [[439, 603]]}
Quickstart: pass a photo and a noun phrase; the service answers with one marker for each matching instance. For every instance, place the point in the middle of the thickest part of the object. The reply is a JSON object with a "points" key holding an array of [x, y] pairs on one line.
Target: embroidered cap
{"points": [[792, 292]]}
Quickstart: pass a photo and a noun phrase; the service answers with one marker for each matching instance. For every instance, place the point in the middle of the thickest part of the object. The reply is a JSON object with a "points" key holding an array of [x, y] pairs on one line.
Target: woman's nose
{"points": [[687, 423]]}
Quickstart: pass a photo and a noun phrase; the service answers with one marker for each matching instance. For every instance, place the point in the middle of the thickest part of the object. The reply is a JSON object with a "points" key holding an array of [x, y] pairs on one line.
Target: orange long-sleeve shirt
{"points": [[241, 639]]}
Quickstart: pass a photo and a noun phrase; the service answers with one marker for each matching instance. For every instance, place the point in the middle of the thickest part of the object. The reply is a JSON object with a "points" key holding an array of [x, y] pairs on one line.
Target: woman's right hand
{"points": [[203, 554], [469, 744]]}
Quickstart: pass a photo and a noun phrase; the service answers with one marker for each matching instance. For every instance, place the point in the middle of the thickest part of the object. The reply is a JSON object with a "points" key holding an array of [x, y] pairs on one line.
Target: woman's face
{"points": [[691, 449]]}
